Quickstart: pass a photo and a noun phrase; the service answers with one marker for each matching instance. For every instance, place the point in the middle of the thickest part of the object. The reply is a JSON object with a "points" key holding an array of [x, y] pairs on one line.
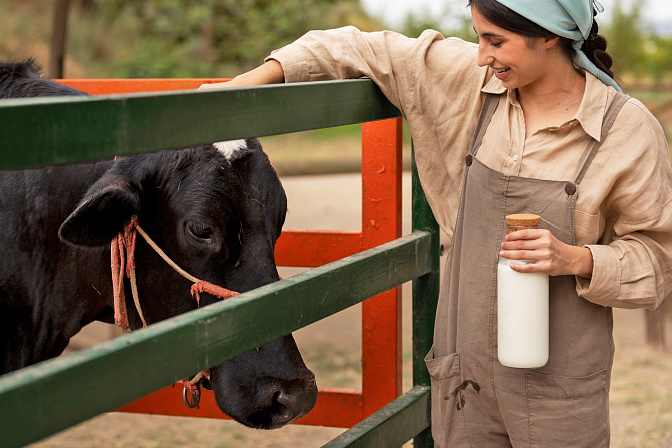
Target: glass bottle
{"points": [[522, 307]]}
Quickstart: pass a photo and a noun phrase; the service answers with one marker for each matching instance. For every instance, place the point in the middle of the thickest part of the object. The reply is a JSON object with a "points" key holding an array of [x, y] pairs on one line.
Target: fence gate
{"points": [[71, 129]]}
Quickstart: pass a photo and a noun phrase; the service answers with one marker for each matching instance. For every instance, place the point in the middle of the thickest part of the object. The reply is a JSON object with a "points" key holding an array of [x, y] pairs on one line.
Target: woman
{"points": [[530, 120]]}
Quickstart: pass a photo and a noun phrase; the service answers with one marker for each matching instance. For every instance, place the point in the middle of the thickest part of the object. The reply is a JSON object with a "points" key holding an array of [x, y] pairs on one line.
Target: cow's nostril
{"points": [[285, 403], [290, 406]]}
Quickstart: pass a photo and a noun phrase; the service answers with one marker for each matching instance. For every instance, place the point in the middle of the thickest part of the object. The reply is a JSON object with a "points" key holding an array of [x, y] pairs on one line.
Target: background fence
{"points": [[53, 395]]}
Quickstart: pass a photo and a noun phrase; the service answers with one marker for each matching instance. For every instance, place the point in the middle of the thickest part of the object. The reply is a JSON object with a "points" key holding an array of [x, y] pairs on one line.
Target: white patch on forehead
{"points": [[229, 147]]}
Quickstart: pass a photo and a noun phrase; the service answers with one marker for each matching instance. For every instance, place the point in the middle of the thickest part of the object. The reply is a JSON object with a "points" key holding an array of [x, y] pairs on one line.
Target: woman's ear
{"points": [[550, 42]]}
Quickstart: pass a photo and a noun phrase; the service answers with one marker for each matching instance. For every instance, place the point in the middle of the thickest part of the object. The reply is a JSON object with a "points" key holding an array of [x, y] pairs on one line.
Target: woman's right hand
{"points": [[269, 73]]}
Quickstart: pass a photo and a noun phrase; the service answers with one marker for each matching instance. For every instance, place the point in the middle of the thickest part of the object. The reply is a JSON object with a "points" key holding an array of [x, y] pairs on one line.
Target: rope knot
{"points": [[191, 394], [217, 291]]}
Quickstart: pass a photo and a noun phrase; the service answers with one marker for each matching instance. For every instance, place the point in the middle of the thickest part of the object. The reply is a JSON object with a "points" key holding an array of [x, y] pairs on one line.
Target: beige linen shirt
{"points": [[623, 212]]}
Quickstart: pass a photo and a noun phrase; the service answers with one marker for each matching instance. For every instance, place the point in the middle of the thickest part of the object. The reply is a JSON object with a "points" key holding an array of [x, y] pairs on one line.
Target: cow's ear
{"points": [[101, 215]]}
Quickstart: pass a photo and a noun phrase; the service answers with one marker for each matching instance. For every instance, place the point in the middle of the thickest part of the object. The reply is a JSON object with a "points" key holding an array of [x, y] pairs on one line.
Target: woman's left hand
{"points": [[549, 254]]}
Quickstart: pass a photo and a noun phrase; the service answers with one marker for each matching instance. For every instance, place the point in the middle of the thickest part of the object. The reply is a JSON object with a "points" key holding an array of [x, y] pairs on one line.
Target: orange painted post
{"points": [[381, 222], [113, 86], [381, 315]]}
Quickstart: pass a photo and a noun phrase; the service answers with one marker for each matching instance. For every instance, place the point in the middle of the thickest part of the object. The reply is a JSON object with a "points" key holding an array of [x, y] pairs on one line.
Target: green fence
{"points": [[45, 398]]}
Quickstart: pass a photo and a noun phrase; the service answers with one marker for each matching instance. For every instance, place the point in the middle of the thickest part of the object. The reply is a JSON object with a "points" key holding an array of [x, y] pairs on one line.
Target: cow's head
{"points": [[217, 211]]}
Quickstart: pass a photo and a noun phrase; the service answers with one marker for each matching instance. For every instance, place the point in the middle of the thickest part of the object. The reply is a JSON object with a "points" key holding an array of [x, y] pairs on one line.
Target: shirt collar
{"points": [[593, 106], [592, 109], [494, 85]]}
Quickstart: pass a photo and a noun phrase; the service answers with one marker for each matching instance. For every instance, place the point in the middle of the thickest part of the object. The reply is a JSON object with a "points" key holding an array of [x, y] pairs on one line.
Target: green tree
{"points": [[454, 20], [626, 37], [659, 57], [185, 38]]}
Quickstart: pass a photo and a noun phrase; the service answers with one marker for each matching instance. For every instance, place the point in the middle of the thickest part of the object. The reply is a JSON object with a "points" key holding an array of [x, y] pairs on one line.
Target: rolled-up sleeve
{"points": [[387, 57], [633, 269]]}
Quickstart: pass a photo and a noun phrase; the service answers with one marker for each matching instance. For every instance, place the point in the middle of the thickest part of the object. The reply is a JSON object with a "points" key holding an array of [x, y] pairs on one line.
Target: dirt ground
{"points": [[641, 398]]}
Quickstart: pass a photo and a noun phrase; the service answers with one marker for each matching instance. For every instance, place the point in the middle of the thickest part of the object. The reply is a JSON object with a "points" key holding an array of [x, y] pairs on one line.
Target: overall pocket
{"points": [[448, 425], [568, 411]]}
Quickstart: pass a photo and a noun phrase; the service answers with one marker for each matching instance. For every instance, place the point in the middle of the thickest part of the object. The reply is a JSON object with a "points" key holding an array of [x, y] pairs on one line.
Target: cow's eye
{"points": [[200, 231]]}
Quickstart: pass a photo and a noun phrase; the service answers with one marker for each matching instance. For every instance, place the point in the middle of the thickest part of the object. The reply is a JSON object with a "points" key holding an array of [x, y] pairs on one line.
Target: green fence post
{"points": [[425, 295]]}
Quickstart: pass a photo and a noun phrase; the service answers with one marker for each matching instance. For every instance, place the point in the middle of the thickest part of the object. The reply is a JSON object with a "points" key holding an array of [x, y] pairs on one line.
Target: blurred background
{"points": [[221, 38], [320, 170]]}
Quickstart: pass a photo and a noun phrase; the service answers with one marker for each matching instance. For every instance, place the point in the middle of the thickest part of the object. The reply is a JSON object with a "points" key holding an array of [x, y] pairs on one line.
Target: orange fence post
{"points": [[381, 222]]}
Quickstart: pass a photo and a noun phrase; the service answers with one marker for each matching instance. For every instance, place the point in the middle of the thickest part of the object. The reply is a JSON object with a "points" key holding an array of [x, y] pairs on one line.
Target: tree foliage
{"points": [[453, 20], [186, 38], [212, 38], [626, 38]]}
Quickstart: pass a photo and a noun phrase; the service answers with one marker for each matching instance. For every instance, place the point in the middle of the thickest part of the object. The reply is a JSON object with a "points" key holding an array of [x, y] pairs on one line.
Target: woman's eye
{"points": [[200, 231], [496, 44]]}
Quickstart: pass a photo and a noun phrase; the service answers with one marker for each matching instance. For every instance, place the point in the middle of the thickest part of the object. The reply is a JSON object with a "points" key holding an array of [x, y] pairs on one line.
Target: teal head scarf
{"points": [[572, 19]]}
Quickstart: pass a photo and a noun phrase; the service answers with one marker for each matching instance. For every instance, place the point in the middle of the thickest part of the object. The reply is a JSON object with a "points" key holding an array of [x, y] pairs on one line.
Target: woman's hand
{"points": [[549, 254], [269, 73]]}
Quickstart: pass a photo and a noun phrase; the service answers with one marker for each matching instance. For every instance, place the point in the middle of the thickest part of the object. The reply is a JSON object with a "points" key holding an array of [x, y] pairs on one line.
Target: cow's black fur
{"points": [[23, 80], [217, 217]]}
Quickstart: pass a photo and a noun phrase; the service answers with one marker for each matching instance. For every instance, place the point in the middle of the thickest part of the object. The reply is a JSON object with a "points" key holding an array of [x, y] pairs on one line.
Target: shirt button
{"points": [[515, 157]]}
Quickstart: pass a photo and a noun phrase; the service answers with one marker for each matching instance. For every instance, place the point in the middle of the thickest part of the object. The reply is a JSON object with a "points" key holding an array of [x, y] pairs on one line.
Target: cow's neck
{"points": [[38, 311]]}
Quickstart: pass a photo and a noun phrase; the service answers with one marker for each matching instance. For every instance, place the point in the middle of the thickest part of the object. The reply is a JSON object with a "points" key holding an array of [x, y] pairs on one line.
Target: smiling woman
{"points": [[531, 60], [528, 121], [516, 31], [521, 61]]}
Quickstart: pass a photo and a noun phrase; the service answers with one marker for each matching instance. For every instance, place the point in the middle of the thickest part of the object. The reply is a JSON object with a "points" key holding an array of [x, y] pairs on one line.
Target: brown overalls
{"points": [[477, 402]]}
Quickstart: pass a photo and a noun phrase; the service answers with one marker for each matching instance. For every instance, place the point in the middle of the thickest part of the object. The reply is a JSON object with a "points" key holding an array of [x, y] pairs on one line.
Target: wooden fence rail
{"points": [[70, 129]]}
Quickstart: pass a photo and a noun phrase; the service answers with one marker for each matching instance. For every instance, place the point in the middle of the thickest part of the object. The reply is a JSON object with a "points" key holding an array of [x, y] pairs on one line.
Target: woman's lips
{"points": [[502, 74]]}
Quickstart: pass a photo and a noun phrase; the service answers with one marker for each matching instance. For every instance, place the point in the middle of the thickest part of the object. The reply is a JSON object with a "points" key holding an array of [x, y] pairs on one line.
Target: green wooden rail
{"points": [[70, 129], [56, 394], [48, 397]]}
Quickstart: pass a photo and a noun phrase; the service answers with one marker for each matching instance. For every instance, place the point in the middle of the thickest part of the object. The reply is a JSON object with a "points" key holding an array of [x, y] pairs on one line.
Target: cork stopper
{"points": [[522, 221]]}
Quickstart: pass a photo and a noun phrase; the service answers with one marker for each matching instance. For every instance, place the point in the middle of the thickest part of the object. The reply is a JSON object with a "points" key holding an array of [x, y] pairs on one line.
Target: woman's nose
{"points": [[484, 56]]}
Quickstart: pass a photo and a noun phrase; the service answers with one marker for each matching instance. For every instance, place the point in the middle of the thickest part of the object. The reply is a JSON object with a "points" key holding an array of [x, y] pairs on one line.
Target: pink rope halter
{"points": [[123, 264]]}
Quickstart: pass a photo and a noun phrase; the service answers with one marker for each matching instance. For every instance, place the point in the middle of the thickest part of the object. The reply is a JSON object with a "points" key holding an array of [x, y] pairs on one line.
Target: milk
{"points": [[522, 316]]}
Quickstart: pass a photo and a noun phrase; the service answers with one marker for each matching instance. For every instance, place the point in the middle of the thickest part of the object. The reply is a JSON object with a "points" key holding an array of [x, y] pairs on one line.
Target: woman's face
{"points": [[515, 62]]}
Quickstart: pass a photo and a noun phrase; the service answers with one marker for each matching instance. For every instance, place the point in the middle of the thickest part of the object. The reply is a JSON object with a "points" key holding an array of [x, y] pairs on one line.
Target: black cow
{"points": [[216, 210]]}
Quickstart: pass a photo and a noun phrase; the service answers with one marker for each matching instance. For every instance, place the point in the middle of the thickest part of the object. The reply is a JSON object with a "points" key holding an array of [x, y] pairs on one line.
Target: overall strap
{"points": [[609, 118], [487, 111]]}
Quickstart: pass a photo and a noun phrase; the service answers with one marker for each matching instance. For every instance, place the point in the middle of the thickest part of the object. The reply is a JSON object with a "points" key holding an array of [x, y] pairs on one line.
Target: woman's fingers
{"points": [[530, 244], [549, 254]]}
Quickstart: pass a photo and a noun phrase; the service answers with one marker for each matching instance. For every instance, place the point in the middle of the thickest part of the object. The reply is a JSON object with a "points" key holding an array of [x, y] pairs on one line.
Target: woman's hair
{"points": [[594, 47]]}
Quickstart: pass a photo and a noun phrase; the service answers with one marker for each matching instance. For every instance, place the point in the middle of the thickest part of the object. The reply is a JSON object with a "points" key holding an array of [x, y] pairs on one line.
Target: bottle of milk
{"points": [[522, 308]]}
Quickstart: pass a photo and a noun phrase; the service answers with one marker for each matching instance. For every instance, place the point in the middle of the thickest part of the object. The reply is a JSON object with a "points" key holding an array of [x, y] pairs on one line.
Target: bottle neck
{"points": [[512, 228], [507, 262]]}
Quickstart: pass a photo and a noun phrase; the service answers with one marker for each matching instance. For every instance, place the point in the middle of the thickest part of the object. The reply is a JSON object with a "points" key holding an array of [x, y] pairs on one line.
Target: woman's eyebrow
{"points": [[487, 34]]}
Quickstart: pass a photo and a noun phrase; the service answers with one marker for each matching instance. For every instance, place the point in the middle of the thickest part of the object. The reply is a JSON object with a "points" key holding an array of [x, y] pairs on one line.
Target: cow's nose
{"points": [[294, 400]]}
